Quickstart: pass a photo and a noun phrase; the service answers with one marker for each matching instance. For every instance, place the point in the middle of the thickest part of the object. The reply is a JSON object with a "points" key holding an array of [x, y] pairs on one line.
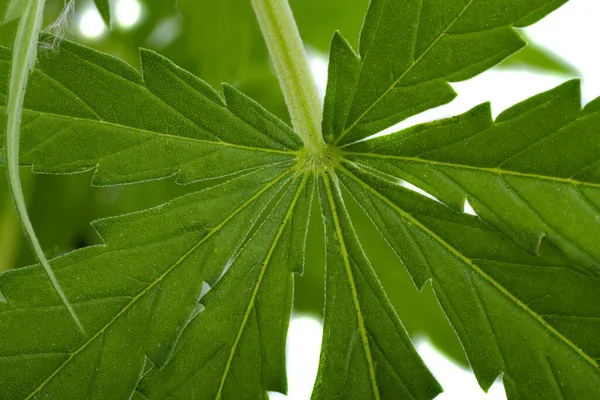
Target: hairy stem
{"points": [[291, 65], [23, 61]]}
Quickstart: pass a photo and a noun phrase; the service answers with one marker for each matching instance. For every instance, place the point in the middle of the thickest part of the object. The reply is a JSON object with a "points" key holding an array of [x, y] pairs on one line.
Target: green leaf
{"points": [[73, 138], [423, 319], [192, 299], [97, 116], [408, 53], [538, 157], [532, 318], [138, 293], [361, 330], [537, 58], [248, 311], [154, 126], [103, 7], [139, 299]]}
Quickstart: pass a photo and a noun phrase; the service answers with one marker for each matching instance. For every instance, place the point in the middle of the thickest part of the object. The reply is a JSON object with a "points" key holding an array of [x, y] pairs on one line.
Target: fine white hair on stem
{"points": [[60, 27], [24, 54]]}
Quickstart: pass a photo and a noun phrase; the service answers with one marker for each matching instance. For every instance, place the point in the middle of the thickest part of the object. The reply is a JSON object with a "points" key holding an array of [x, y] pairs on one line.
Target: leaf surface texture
{"points": [[192, 299]]}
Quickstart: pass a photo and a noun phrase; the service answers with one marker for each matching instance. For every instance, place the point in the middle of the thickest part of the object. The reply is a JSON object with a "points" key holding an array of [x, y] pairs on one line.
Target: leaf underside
{"points": [[192, 299]]}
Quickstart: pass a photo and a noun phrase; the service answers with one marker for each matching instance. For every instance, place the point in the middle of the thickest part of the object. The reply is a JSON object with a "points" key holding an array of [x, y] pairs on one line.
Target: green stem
{"points": [[291, 65], [23, 61]]}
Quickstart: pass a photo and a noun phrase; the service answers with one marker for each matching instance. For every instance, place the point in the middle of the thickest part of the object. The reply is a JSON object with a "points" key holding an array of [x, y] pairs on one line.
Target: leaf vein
{"points": [[154, 283], [479, 271]]}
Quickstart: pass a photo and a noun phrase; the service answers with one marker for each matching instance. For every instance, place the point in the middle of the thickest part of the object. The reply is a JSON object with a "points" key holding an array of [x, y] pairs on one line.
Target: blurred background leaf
{"points": [[103, 7], [194, 34], [536, 58]]}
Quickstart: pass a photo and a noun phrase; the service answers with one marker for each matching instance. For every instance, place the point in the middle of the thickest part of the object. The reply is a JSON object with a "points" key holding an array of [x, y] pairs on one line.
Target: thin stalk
{"points": [[23, 61], [291, 65]]}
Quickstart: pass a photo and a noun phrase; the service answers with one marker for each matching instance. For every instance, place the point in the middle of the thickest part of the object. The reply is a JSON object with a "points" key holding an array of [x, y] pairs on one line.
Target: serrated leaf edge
{"points": [[157, 281], [475, 268]]}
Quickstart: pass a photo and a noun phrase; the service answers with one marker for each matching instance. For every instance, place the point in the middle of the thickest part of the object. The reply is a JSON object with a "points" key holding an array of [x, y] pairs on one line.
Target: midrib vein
{"points": [[474, 266], [261, 276], [359, 316], [161, 134], [408, 70], [157, 281], [492, 170]]}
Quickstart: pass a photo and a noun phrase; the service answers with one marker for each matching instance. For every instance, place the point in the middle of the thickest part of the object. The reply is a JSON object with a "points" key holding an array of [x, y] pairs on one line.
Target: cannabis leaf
{"points": [[209, 27], [138, 294], [409, 51], [83, 126], [507, 307], [137, 129], [192, 299], [518, 172], [100, 301], [360, 326]]}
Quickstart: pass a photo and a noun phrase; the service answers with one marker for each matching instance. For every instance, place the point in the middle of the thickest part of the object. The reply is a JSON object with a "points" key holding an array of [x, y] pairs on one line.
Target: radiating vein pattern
{"points": [[248, 311], [409, 51], [534, 173], [138, 292], [366, 352], [530, 318], [192, 299], [87, 110]]}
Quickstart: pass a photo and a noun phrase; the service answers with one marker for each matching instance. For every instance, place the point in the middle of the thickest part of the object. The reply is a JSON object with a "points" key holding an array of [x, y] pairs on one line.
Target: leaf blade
{"points": [[143, 117], [543, 158], [179, 254], [103, 7], [244, 311], [475, 302], [434, 45], [360, 323]]}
